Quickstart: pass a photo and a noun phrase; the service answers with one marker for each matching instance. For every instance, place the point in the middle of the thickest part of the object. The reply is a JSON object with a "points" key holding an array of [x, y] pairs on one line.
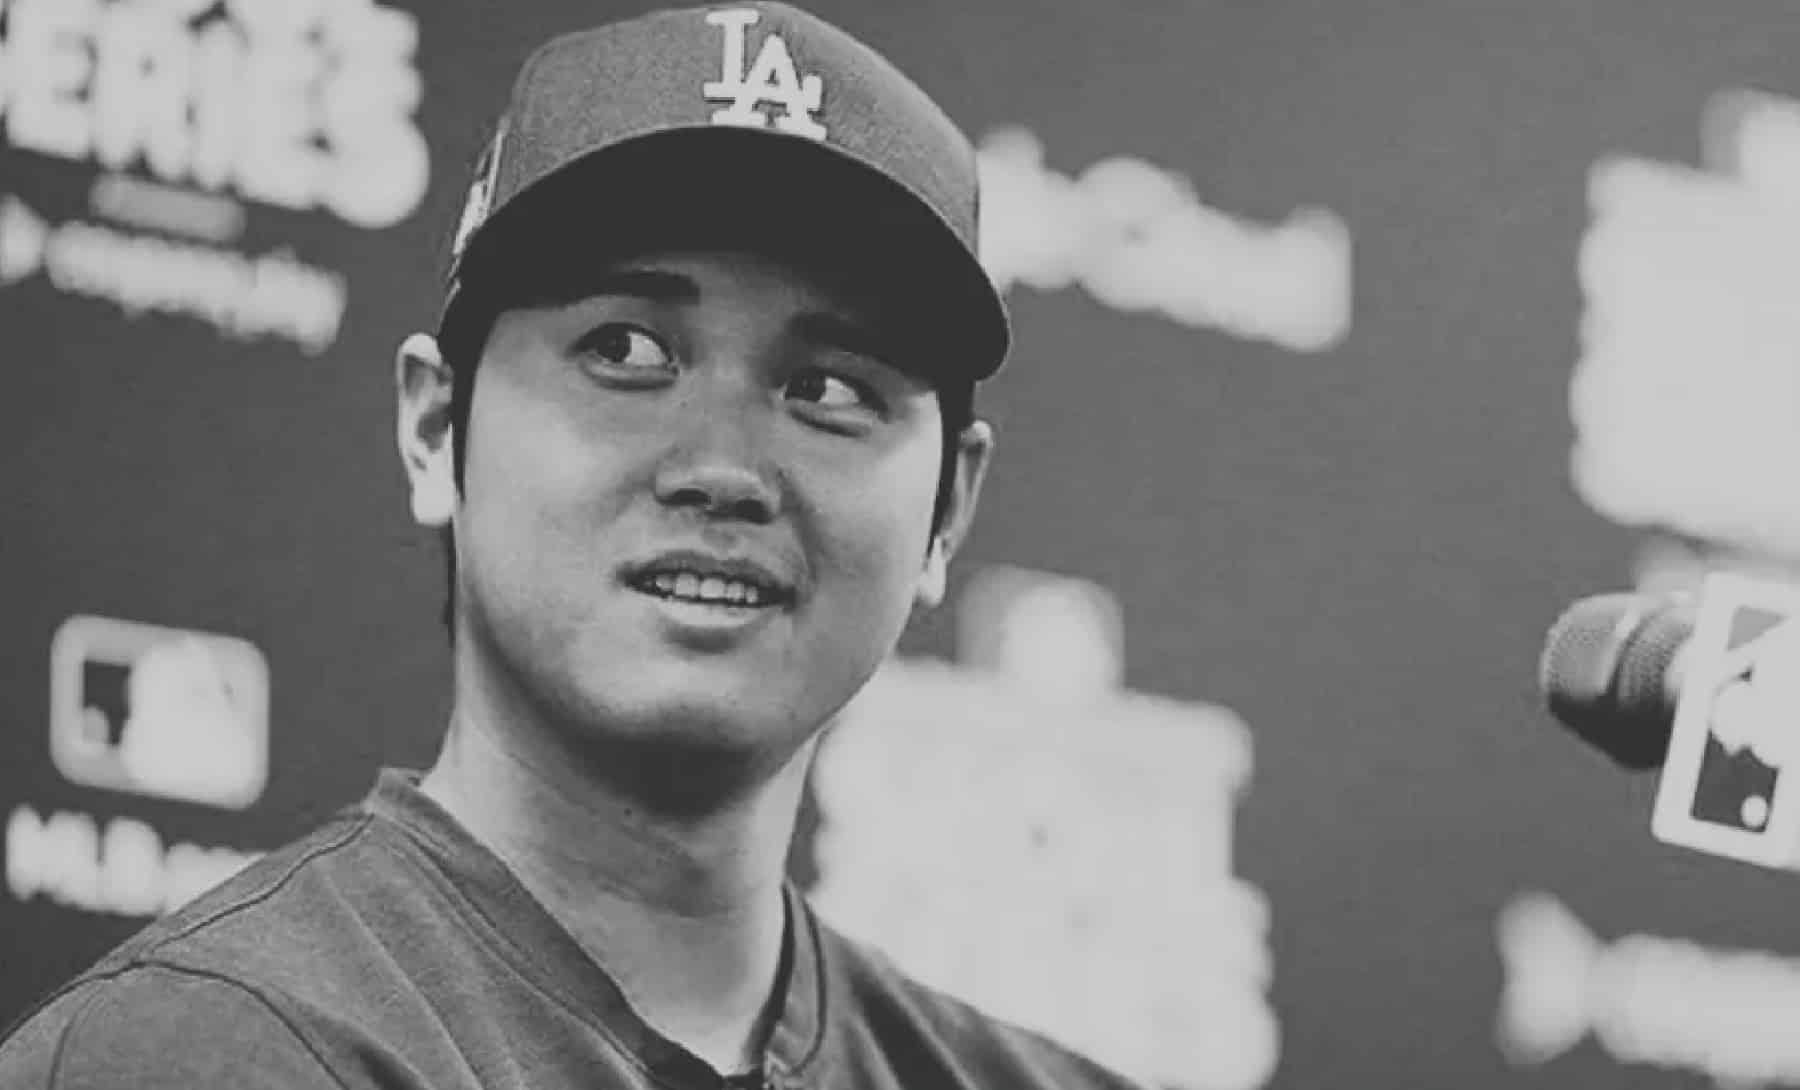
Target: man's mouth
{"points": [[707, 590], [712, 581]]}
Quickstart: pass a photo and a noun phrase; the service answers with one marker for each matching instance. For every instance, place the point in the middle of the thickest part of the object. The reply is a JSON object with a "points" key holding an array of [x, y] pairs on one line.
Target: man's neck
{"points": [[686, 914]]}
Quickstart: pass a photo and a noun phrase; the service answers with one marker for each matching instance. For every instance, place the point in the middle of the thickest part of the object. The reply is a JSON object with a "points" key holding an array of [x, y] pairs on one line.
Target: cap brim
{"points": [[721, 188]]}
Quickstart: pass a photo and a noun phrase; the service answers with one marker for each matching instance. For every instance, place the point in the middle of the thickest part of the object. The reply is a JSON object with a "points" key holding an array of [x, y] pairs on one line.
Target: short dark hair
{"points": [[462, 338]]}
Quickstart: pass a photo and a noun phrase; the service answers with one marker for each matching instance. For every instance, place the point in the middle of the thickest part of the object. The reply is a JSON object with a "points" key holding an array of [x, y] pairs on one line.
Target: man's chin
{"points": [[687, 756]]}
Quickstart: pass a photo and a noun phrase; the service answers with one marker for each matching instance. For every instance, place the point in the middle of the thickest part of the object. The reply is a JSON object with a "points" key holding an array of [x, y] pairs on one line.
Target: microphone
{"points": [[1610, 672], [1705, 685]]}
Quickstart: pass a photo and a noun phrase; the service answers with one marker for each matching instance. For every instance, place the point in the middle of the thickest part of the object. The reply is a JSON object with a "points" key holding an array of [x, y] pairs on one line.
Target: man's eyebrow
{"points": [[832, 330], [650, 285]]}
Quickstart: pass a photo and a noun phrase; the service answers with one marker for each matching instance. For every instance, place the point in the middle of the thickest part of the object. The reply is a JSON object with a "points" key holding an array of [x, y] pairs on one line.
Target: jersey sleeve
{"points": [[158, 1028]]}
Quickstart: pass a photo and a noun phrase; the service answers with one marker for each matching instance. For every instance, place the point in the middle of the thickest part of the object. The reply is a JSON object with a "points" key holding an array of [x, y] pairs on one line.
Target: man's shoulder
{"points": [[901, 1011], [214, 970], [158, 1027]]}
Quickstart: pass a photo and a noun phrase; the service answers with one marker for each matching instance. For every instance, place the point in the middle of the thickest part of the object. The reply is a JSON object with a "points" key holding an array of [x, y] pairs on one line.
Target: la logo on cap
{"points": [[771, 79], [481, 193]]}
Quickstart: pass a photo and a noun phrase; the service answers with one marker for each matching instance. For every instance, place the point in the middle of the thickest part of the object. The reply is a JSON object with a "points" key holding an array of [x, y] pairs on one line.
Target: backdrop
{"points": [[1353, 341]]}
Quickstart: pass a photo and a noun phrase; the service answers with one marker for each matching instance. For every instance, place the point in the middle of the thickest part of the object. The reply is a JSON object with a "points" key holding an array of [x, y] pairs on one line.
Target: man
{"points": [[697, 427]]}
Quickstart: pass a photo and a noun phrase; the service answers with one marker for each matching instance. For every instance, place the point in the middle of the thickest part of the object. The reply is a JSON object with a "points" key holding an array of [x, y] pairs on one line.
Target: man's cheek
{"points": [[878, 532]]}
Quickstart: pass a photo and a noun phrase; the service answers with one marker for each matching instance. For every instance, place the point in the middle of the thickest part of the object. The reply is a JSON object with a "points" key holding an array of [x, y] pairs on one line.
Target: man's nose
{"points": [[721, 464]]}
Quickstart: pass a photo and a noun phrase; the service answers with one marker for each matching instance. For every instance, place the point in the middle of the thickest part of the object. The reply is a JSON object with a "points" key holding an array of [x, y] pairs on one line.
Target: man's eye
{"points": [[625, 348], [829, 391]]}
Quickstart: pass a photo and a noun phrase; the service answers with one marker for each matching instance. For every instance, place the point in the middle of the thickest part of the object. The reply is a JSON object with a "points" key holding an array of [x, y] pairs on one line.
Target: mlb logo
{"points": [[164, 712], [1723, 788]]}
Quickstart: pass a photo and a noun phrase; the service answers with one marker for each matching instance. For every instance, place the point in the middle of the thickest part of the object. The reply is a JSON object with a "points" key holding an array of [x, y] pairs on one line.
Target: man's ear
{"points": [[423, 383], [974, 447]]}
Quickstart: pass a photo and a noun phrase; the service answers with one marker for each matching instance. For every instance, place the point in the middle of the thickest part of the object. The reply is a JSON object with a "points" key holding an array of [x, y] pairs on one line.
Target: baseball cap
{"points": [[756, 124]]}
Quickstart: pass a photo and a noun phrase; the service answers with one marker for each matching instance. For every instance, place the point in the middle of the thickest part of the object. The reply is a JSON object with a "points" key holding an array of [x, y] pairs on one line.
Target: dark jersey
{"points": [[389, 949]]}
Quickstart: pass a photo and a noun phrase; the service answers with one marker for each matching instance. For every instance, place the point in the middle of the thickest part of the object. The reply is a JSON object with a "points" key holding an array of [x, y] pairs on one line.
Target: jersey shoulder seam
{"points": [[274, 1011], [125, 957], [272, 886]]}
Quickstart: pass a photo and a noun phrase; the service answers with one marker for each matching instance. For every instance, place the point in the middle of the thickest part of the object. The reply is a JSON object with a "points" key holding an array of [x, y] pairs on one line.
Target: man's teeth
{"points": [[708, 588]]}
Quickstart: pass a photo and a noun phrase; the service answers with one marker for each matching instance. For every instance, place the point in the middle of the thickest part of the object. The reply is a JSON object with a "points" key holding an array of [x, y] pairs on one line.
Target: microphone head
{"points": [[1605, 672]]}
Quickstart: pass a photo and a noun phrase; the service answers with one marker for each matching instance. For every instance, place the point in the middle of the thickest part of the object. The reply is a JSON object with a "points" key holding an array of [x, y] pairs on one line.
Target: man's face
{"points": [[696, 504]]}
